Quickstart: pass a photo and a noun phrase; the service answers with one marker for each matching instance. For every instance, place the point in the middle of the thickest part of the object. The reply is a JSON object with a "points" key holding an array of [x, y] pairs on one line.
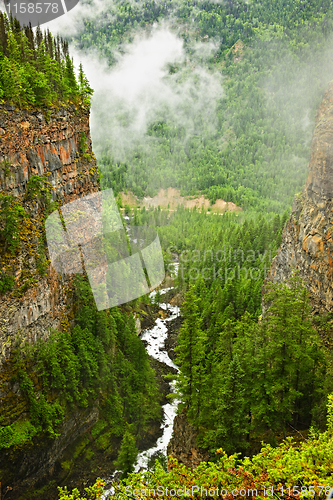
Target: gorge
{"points": [[204, 136], [47, 161], [307, 245]]}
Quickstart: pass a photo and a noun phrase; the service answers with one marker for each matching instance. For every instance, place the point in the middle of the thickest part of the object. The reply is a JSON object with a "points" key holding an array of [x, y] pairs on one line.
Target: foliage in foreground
{"points": [[305, 468]]}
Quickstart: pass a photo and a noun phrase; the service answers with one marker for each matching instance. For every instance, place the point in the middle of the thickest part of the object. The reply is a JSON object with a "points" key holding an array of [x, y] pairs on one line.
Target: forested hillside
{"points": [[75, 383], [35, 68], [229, 115], [265, 66], [252, 146]]}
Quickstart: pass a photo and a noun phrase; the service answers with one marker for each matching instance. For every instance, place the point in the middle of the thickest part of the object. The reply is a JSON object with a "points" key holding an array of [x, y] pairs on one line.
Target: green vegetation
{"points": [[288, 469], [91, 493], [242, 379], [36, 69], [83, 146], [232, 252], [6, 283], [255, 147], [99, 362], [270, 56], [127, 454], [11, 212]]}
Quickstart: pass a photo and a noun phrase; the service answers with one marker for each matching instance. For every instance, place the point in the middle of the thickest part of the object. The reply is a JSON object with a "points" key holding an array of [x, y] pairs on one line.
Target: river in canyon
{"points": [[155, 340]]}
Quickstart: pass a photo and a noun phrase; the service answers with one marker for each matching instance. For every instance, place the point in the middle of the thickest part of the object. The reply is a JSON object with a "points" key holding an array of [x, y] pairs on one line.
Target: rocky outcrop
{"points": [[183, 445], [33, 142], [55, 144], [307, 244]]}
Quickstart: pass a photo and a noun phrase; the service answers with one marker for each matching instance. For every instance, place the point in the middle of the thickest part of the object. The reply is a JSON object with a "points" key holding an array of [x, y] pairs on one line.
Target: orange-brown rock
{"points": [[36, 143], [50, 145], [307, 244]]}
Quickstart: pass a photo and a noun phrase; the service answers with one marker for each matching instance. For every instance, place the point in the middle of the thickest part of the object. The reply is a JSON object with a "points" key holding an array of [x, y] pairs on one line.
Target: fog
{"points": [[154, 79], [140, 90], [157, 78]]}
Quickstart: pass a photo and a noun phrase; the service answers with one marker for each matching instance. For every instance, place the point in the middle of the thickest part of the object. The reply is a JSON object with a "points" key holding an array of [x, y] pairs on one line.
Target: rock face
{"points": [[183, 444], [57, 146], [307, 244], [35, 144]]}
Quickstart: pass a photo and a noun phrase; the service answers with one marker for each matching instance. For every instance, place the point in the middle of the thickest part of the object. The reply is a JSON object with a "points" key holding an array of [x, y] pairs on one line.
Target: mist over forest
{"points": [[205, 118], [168, 101]]}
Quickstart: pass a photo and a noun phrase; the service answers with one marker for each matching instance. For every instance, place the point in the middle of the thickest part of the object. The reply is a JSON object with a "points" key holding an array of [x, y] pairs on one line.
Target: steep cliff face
{"points": [[307, 244], [57, 146], [64, 400]]}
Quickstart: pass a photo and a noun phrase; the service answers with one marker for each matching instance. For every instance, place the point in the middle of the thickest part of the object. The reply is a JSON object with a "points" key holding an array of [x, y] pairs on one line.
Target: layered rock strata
{"points": [[55, 144], [48, 152]]}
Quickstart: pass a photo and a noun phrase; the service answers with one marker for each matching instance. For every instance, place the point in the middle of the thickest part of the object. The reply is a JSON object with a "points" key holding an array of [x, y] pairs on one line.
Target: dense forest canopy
{"points": [[264, 66], [244, 138], [248, 79], [35, 68]]}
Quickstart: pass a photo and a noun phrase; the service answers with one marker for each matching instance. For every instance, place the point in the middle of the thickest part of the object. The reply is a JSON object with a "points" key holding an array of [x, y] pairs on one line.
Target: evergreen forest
{"points": [[36, 69], [257, 387], [243, 378]]}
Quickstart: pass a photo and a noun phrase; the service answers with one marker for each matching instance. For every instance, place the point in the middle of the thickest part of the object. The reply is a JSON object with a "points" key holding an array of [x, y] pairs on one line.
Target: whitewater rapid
{"points": [[155, 346], [155, 338]]}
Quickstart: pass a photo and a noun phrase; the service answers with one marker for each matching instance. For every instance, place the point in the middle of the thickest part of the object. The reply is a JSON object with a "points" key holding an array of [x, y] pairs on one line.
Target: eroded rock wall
{"points": [[307, 244], [55, 144], [183, 445]]}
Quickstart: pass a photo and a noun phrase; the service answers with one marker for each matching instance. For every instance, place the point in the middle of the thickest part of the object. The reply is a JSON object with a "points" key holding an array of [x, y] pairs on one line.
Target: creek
{"points": [[154, 339]]}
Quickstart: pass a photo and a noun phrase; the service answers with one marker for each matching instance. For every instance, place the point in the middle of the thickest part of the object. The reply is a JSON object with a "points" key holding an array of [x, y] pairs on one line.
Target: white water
{"points": [[155, 338]]}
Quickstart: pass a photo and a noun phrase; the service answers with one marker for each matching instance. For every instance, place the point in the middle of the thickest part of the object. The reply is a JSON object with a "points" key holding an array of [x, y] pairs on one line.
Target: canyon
{"points": [[54, 145], [32, 144]]}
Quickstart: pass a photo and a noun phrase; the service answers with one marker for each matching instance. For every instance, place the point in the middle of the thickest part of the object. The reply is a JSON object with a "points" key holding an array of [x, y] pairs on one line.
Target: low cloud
{"points": [[153, 80]]}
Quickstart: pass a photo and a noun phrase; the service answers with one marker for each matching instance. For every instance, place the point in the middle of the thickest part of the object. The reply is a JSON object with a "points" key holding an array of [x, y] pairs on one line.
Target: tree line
{"points": [[36, 68]]}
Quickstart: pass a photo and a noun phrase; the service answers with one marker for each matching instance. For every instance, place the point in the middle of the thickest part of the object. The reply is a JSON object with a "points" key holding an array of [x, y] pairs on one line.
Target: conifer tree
{"points": [[30, 37], [34, 71], [3, 36], [127, 454], [231, 416], [293, 355], [84, 88], [190, 356]]}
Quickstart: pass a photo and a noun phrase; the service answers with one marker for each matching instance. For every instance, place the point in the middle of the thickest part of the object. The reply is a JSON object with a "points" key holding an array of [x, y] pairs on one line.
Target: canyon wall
{"points": [[31, 144], [183, 444], [54, 144], [307, 244], [64, 401]]}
